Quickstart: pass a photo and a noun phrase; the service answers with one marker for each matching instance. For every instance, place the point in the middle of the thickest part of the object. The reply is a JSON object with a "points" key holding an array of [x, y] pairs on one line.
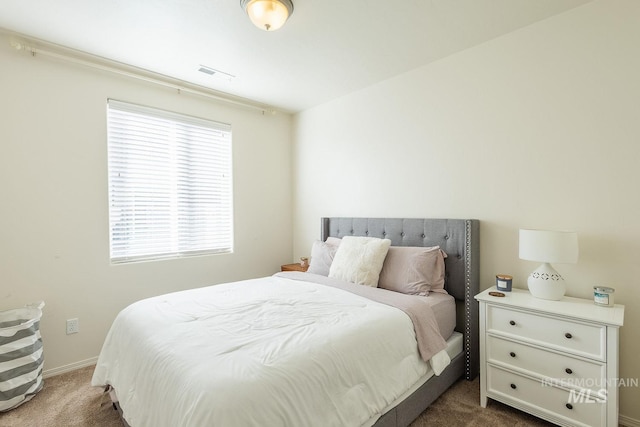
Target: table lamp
{"points": [[548, 247]]}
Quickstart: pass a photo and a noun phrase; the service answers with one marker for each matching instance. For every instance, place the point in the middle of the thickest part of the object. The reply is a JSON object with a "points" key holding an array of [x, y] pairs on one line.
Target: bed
{"points": [[330, 366]]}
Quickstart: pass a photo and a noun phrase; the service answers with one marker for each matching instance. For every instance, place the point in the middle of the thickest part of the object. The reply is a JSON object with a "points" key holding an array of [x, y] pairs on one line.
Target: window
{"points": [[169, 184]]}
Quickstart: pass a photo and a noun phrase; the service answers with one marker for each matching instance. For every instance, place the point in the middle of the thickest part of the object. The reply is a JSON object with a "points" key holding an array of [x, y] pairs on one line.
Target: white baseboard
{"points": [[628, 421], [68, 368]]}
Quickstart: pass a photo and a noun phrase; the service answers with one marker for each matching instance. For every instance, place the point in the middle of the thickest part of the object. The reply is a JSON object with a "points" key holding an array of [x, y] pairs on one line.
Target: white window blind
{"points": [[170, 184]]}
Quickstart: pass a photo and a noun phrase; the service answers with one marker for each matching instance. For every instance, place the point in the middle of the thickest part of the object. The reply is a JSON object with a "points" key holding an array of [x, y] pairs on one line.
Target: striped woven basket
{"points": [[21, 356]]}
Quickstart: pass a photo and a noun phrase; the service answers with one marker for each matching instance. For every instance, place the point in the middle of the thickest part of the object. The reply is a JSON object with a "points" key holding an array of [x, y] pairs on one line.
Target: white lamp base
{"points": [[546, 283]]}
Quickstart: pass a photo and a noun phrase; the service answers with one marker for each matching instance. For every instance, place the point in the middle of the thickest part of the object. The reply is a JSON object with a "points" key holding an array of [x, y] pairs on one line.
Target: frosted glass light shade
{"points": [[547, 247], [268, 15]]}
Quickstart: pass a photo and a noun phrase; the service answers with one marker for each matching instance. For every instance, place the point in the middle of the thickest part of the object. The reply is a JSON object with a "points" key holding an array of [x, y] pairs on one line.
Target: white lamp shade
{"points": [[268, 15], [549, 246]]}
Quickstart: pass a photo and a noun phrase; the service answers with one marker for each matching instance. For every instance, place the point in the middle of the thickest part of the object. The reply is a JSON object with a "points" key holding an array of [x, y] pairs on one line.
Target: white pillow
{"points": [[322, 254], [359, 260]]}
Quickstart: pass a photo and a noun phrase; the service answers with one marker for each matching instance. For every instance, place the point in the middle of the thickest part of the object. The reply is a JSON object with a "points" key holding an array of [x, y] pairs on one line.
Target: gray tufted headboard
{"points": [[459, 238]]}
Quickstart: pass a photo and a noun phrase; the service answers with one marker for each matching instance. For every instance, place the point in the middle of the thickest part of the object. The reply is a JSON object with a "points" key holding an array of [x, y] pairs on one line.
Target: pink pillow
{"points": [[413, 270]]}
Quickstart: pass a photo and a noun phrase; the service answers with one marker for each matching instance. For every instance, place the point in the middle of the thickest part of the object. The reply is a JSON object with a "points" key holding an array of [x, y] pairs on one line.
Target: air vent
{"points": [[207, 70], [216, 73]]}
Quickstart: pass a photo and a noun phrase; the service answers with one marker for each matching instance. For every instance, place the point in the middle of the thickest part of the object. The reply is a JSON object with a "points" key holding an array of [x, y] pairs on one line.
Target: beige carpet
{"points": [[65, 400], [69, 400]]}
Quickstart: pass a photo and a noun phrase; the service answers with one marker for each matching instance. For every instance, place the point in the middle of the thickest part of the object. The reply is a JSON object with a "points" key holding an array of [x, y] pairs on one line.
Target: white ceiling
{"points": [[327, 49]]}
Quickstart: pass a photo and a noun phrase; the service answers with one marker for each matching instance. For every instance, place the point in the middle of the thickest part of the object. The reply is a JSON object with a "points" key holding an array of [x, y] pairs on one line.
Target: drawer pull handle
{"points": [[512, 354], [568, 371], [512, 323], [568, 335], [569, 406], [513, 386]]}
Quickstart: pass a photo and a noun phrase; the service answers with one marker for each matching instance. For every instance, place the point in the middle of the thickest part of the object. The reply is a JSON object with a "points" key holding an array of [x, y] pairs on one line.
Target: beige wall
{"points": [[539, 128], [53, 192]]}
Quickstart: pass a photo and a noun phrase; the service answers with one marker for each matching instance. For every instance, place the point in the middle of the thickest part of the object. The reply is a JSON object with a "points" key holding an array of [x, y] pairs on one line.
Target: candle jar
{"points": [[603, 295], [504, 282]]}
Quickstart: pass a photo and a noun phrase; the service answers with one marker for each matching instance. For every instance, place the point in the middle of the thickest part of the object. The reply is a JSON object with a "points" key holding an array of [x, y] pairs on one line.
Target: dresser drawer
{"points": [[539, 362], [567, 407], [578, 338]]}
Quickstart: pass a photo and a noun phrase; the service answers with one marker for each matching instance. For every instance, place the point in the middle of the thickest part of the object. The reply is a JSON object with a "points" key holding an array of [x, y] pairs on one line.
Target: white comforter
{"points": [[262, 352]]}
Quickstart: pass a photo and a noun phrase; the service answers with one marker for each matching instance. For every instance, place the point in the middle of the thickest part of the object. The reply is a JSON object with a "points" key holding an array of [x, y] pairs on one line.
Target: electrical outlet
{"points": [[73, 326]]}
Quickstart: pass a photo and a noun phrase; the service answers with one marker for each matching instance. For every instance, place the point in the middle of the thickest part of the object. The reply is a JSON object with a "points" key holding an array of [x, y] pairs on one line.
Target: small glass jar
{"points": [[504, 282], [603, 295]]}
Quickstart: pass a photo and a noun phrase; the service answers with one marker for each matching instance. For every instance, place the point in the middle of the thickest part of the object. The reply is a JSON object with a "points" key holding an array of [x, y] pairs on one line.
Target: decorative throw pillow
{"points": [[359, 260], [335, 241], [413, 270], [322, 254]]}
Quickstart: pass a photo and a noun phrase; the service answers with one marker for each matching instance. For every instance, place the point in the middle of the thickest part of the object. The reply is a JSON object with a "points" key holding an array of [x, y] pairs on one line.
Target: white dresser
{"points": [[557, 360]]}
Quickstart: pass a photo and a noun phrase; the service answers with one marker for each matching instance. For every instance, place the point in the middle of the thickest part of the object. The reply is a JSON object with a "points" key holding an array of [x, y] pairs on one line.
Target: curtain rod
{"points": [[115, 67]]}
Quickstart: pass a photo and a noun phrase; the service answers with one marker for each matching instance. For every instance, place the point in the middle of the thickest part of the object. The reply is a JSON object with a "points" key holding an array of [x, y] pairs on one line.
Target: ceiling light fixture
{"points": [[268, 15]]}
